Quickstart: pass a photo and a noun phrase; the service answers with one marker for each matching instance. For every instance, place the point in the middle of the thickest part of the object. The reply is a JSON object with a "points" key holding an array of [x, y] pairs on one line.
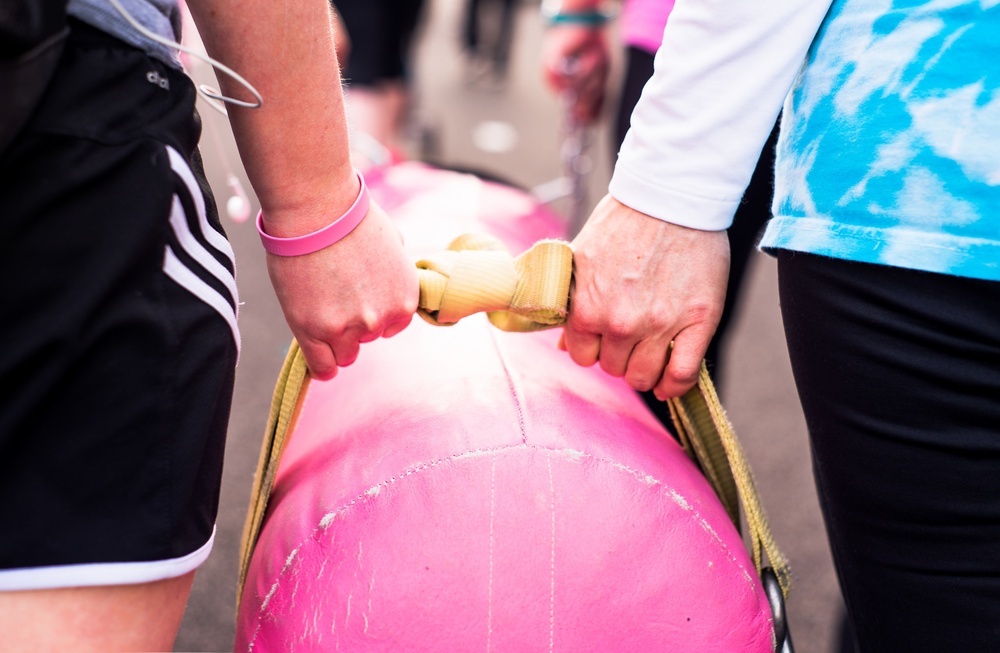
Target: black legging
{"points": [[898, 372]]}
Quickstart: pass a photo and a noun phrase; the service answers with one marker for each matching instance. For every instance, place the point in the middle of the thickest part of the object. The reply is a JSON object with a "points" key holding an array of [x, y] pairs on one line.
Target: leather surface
{"points": [[465, 489]]}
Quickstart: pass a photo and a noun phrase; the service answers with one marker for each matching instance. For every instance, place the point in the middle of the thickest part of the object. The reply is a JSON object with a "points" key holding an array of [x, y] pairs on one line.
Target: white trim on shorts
{"points": [[103, 573]]}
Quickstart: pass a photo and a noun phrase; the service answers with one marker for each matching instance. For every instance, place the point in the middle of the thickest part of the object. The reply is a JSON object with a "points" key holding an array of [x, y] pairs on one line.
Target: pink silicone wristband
{"points": [[323, 238]]}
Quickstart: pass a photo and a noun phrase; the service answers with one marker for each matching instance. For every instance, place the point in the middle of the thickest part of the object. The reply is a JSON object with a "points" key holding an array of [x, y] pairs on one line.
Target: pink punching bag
{"points": [[466, 489]]}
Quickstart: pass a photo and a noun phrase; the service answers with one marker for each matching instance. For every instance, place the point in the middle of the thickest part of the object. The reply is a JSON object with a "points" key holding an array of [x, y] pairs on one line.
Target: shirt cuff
{"points": [[670, 205]]}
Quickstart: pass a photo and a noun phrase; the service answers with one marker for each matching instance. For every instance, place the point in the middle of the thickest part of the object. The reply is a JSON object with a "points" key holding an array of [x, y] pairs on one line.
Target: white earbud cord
{"points": [[204, 89]]}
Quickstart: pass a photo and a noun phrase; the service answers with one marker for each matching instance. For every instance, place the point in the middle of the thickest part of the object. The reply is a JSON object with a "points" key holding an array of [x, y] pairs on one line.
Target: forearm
{"points": [[295, 147], [721, 76]]}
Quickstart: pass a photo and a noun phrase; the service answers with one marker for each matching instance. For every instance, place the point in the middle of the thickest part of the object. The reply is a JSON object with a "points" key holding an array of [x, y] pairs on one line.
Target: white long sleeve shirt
{"points": [[889, 138], [721, 76]]}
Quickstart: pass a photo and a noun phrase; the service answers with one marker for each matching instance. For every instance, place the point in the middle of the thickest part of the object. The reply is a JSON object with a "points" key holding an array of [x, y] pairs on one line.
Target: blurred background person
{"points": [[488, 49], [376, 72]]}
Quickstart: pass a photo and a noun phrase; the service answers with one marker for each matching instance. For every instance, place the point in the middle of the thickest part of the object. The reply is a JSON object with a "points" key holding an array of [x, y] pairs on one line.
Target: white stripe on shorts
{"points": [[217, 240], [103, 573], [176, 270], [190, 244]]}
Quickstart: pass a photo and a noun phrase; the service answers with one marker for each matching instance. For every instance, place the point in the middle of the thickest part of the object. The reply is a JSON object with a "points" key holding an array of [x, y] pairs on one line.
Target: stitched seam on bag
{"points": [[376, 490], [515, 396]]}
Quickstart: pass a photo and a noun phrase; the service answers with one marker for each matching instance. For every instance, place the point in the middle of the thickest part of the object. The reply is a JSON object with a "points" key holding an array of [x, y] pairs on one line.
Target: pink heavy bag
{"points": [[468, 489]]}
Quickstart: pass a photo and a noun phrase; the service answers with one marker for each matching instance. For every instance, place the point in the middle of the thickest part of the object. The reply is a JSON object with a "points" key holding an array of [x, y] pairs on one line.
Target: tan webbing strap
{"points": [[692, 417], [702, 422], [292, 381], [528, 293]]}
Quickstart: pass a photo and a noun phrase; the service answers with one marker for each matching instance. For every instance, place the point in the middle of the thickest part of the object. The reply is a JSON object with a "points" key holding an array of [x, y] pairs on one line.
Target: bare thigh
{"points": [[143, 617]]}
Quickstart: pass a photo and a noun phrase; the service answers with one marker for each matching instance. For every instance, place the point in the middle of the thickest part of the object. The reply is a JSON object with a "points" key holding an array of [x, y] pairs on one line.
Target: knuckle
{"points": [[580, 320], [618, 323], [618, 329], [370, 320], [666, 390], [703, 313], [611, 368], [581, 358], [659, 322], [346, 358], [322, 372], [684, 374], [640, 381], [397, 325]]}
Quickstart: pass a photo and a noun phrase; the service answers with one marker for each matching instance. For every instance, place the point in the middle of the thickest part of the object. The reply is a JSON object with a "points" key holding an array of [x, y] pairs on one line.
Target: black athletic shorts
{"points": [[118, 337]]}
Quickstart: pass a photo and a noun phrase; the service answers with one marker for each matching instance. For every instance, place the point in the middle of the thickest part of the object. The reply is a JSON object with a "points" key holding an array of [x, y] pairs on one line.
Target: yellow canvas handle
{"points": [[476, 274]]}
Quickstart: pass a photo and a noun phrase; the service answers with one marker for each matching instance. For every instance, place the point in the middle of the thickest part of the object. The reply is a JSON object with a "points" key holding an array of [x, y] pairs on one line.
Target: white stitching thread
{"points": [[571, 454], [493, 504]]}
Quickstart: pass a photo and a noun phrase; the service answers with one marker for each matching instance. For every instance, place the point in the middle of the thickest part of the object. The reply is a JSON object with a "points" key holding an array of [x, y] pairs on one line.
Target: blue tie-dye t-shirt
{"points": [[890, 150]]}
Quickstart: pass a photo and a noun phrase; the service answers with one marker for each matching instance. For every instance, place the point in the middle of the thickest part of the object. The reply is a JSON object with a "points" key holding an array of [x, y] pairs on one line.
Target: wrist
{"points": [[321, 238], [586, 15]]}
